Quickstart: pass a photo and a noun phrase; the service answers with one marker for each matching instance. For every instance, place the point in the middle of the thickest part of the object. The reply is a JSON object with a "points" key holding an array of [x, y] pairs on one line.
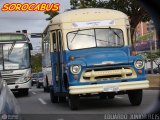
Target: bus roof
{"points": [[88, 14]]}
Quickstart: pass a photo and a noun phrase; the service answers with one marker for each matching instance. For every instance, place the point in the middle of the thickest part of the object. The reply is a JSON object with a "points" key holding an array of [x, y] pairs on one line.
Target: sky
{"points": [[33, 22]]}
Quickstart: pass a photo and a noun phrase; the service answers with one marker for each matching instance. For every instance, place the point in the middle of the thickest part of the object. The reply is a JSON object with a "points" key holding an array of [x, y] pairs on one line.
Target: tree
{"points": [[132, 8], [74, 4], [51, 14], [82, 4], [36, 63]]}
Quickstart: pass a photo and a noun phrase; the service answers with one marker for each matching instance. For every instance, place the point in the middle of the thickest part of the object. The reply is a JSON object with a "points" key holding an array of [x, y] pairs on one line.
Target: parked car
{"points": [[156, 70], [148, 71], [40, 79], [8, 103], [34, 78]]}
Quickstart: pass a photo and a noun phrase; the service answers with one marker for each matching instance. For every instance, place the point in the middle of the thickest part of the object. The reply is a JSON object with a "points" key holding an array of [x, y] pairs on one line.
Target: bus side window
{"points": [[60, 40], [54, 41]]}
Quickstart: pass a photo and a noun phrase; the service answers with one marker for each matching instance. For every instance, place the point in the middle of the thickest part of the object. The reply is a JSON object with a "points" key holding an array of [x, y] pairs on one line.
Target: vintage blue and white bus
{"points": [[88, 51], [15, 61]]}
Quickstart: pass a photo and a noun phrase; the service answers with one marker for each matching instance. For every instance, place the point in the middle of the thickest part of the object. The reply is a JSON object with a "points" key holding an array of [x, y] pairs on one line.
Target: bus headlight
{"points": [[23, 79], [26, 77], [139, 64], [75, 69]]}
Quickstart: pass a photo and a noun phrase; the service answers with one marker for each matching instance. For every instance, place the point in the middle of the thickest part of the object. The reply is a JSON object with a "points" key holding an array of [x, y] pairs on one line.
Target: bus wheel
{"points": [[54, 99], [46, 89], [102, 95], [24, 92], [135, 97], [73, 101], [62, 99], [111, 95]]}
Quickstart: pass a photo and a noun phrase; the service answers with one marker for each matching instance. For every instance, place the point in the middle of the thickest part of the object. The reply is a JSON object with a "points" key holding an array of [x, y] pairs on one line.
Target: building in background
{"points": [[146, 37]]}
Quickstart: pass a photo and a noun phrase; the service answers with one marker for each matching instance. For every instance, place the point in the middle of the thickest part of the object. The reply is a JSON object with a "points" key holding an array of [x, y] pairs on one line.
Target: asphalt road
{"points": [[38, 106]]}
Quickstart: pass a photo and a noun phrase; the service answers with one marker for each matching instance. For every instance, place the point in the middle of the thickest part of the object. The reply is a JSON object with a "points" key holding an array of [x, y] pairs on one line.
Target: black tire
{"points": [[135, 97], [23, 92], [46, 89], [26, 92], [111, 96], [62, 99], [38, 86], [73, 101], [54, 99], [102, 95]]}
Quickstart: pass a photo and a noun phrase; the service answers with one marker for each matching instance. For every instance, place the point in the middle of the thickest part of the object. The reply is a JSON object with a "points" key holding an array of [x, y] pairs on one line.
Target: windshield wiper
{"points": [[81, 34], [114, 32], [74, 36], [11, 49]]}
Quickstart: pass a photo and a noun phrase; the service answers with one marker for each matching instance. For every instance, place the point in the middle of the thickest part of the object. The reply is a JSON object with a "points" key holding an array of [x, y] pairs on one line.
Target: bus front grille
{"points": [[11, 78], [108, 74]]}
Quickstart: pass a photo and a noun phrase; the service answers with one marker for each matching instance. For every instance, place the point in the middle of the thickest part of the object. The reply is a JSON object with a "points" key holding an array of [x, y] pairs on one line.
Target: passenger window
{"points": [[60, 40], [54, 42]]}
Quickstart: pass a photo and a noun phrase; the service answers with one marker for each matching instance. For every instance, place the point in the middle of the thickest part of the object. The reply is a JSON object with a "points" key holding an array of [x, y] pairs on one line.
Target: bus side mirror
{"points": [[30, 46]]}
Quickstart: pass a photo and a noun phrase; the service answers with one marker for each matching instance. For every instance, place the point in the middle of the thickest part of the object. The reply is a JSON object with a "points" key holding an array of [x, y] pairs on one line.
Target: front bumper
{"points": [[20, 86], [109, 87]]}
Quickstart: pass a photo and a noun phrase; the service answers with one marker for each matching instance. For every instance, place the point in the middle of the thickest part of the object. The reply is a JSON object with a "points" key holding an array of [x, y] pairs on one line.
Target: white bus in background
{"points": [[46, 63], [15, 61]]}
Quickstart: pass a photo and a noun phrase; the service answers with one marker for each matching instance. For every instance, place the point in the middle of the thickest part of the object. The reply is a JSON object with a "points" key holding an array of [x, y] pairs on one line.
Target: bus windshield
{"points": [[108, 37], [15, 56]]}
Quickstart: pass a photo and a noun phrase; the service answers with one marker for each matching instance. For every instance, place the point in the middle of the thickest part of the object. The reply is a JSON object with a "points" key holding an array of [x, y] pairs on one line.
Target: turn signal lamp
{"points": [[75, 77], [140, 71], [134, 53], [71, 57]]}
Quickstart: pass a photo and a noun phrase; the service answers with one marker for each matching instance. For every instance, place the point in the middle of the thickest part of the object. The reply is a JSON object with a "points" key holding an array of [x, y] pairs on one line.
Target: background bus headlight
{"points": [[75, 69], [26, 77], [139, 64]]}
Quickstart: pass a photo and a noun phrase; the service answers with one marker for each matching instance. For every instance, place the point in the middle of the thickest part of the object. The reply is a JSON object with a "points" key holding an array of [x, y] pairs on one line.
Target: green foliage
{"points": [[75, 4], [51, 14], [146, 36], [36, 63], [151, 56]]}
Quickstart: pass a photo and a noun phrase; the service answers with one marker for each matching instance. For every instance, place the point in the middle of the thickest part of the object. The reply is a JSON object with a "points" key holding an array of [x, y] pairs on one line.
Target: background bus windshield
{"points": [[15, 56], [95, 38]]}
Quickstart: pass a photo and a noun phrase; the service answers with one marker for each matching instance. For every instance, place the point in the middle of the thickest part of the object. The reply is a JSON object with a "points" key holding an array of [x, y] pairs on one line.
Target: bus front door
{"points": [[57, 61]]}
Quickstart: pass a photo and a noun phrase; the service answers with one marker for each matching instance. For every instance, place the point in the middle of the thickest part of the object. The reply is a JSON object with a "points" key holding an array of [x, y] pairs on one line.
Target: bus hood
{"points": [[105, 58]]}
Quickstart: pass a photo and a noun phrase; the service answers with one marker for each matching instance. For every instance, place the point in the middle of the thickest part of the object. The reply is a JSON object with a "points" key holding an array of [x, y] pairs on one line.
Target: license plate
{"points": [[111, 89]]}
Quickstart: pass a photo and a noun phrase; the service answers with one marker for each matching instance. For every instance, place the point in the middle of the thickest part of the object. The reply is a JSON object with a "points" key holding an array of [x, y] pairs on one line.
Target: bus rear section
{"points": [[91, 55], [15, 61]]}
